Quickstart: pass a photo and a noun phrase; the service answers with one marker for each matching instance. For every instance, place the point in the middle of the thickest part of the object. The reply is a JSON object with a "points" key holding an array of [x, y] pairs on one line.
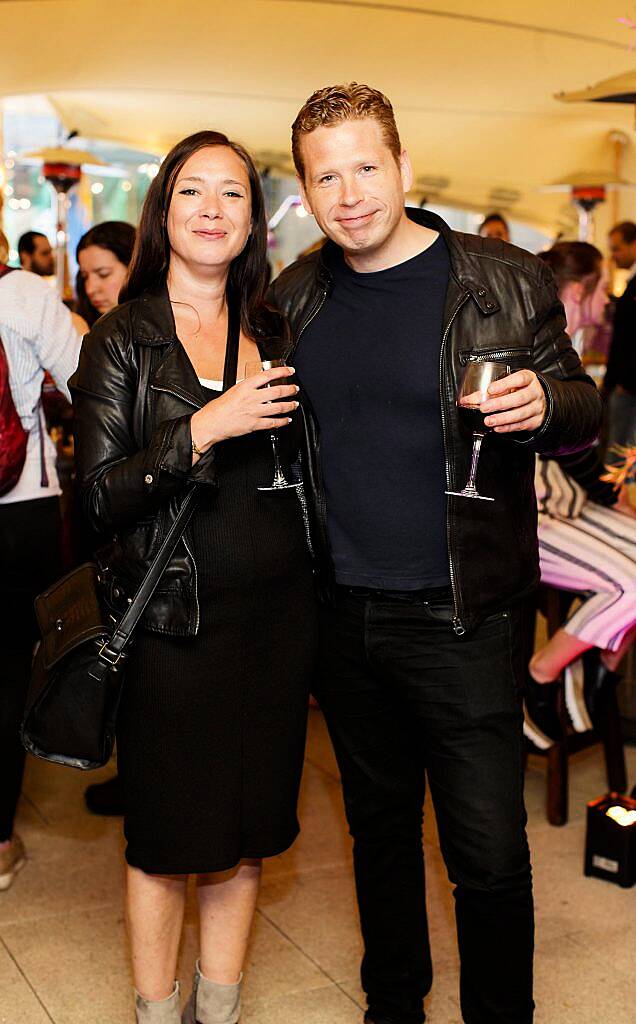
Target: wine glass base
{"points": [[469, 494], [278, 487]]}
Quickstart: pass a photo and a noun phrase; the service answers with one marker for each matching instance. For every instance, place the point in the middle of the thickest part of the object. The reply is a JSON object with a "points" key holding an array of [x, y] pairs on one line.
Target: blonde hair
{"points": [[4, 247], [337, 103]]}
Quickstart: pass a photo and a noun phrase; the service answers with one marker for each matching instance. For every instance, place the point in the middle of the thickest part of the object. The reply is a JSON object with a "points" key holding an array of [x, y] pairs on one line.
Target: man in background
{"points": [[620, 377], [495, 226], [37, 334], [36, 254]]}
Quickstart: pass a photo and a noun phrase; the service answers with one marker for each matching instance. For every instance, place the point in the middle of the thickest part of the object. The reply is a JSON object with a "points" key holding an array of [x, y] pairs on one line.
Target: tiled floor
{"points": [[63, 955]]}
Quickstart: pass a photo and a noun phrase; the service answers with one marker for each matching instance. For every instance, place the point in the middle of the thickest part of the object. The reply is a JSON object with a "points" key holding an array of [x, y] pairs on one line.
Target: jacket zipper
{"points": [[458, 625], [177, 394], [321, 503], [196, 586], [300, 491], [485, 355]]}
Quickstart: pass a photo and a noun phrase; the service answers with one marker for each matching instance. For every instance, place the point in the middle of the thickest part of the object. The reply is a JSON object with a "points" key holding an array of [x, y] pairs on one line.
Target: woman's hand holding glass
{"points": [[247, 406]]}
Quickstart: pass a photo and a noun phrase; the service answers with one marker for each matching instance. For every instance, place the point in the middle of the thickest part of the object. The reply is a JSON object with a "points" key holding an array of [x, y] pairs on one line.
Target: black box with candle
{"points": [[610, 847]]}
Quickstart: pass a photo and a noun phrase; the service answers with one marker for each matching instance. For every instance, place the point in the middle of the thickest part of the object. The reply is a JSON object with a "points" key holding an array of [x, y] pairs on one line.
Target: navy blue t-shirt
{"points": [[369, 363]]}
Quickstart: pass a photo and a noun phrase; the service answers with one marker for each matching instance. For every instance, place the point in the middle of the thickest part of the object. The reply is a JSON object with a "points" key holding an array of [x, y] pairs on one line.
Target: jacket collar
{"points": [[154, 325], [154, 319], [463, 265], [175, 374]]}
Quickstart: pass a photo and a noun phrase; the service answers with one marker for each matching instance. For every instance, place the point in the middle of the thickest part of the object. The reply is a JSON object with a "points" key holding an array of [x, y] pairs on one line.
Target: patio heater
{"points": [[62, 168], [619, 89], [586, 190]]}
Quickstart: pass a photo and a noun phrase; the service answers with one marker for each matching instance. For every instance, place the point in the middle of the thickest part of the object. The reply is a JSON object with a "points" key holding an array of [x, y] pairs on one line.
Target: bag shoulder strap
{"points": [[113, 649]]}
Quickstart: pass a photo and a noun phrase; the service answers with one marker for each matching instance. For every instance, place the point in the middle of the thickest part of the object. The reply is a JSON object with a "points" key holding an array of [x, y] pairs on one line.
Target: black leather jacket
{"points": [[501, 303], [134, 393]]}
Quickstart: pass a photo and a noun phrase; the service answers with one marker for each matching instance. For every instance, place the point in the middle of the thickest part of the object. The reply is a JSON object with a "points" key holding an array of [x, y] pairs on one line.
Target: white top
{"points": [[213, 385], [37, 334]]}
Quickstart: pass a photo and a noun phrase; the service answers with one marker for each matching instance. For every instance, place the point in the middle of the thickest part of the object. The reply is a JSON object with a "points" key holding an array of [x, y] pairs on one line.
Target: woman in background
{"points": [[103, 256]]}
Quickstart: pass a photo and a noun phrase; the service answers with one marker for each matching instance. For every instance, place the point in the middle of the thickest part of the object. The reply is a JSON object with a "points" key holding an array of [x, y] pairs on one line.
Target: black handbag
{"points": [[77, 675]]}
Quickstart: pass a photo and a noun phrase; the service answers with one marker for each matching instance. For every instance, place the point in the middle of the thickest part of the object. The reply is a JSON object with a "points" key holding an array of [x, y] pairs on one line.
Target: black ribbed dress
{"points": [[211, 731]]}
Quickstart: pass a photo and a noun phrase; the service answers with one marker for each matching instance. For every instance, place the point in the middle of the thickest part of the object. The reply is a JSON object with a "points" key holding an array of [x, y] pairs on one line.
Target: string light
{"points": [[97, 187], [151, 169]]}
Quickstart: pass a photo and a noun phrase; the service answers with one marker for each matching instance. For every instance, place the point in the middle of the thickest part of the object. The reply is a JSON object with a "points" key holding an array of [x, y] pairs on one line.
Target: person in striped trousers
{"points": [[587, 542]]}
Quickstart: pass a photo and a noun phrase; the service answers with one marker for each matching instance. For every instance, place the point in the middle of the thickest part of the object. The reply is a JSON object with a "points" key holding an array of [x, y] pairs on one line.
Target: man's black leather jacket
{"points": [[134, 393], [501, 304]]}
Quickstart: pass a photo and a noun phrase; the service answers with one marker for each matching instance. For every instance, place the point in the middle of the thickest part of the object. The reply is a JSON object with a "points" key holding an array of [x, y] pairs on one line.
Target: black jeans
{"points": [[29, 562], [405, 697]]}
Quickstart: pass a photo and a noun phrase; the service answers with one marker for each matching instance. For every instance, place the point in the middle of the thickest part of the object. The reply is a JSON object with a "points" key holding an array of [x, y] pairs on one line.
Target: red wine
{"points": [[473, 419]]}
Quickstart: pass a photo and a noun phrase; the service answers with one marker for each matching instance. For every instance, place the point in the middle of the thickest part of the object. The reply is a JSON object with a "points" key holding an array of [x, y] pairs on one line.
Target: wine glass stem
{"points": [[474, 461], [279, 476]]}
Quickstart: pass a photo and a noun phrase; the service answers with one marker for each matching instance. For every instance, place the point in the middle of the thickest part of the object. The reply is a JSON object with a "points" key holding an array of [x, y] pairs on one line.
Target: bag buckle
{"points": [[112, 658]]}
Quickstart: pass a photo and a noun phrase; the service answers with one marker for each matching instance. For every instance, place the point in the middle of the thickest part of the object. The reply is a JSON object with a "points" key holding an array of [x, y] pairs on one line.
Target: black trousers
{"points": [[404, 699], [29, 562]]}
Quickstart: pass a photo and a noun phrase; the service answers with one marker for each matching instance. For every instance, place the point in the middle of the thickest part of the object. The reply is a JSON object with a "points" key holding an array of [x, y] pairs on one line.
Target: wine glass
{"points": [[473, 391], [280, 481]]}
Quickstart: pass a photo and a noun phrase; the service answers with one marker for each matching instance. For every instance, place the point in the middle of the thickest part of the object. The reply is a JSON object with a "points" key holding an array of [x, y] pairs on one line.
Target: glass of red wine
{"points": [[473, 391]]}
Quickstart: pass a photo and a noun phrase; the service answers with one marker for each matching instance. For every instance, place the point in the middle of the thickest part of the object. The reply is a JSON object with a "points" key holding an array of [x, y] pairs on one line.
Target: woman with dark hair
{"points": [[587, 541], [212, 722], [103, 255]]}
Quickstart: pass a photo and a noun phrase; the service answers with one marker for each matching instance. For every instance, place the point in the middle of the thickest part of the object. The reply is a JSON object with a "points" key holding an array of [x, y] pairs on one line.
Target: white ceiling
{"points": [[472, 85]]}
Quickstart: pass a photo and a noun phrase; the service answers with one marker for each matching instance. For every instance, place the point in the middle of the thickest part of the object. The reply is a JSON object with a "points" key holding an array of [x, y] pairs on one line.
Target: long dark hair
{"points": [[151, 259], [117, 237], [574, 261]]}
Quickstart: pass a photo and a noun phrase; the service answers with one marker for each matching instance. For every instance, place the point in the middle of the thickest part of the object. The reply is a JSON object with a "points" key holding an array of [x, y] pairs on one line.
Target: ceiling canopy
{"points": [[474, 94]]}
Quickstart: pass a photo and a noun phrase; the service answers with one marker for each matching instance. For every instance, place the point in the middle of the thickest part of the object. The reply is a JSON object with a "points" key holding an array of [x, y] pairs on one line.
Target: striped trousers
{"points": [[594, 555]]}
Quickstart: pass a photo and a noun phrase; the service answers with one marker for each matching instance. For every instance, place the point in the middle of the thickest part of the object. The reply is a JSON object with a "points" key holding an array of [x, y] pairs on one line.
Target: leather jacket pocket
{"points": [[517, 357]]}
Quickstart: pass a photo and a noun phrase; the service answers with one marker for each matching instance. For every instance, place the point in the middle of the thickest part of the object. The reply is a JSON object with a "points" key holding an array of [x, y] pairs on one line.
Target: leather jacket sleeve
{"points": [[573, 413], [120, 481]]}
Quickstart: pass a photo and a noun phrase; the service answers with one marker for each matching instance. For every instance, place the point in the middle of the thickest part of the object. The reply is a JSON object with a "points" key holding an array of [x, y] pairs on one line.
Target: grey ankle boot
{"points": [[212, 1003], [161, 1011]]}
